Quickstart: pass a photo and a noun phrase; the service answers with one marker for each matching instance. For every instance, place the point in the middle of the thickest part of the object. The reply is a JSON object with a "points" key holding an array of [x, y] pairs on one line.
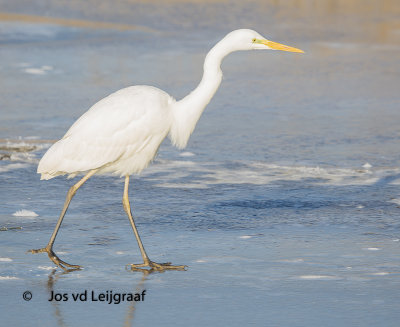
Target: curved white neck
{"points": [[212, 77], [187, 111]]}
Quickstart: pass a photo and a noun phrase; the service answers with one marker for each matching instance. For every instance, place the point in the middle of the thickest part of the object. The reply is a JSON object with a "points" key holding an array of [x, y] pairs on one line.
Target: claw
{"points": [[53, 257], [154, 266]]}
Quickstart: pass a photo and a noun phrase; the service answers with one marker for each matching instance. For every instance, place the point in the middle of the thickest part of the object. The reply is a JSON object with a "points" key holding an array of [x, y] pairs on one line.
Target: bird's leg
{"points": [[153, 266], [49, 247]]}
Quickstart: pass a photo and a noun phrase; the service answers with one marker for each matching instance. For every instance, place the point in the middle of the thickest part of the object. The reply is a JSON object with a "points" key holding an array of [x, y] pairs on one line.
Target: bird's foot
{"points": [[151, 266], [53, 257]]}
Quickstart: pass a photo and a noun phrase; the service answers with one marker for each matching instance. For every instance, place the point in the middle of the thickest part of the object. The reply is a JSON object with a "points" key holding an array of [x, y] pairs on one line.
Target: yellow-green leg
{"points": [[153, 266], [49, 247]]}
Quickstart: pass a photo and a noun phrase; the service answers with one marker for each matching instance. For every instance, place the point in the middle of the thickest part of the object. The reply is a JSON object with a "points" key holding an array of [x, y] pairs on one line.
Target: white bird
{"points": [[121, 133]]}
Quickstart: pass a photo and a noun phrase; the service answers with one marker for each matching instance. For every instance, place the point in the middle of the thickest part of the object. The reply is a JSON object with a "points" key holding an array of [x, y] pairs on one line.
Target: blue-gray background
{"points": [[284, 205]]}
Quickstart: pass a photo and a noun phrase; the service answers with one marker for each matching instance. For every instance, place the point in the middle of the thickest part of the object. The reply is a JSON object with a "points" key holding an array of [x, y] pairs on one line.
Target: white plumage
{"points": [[121, 133]]}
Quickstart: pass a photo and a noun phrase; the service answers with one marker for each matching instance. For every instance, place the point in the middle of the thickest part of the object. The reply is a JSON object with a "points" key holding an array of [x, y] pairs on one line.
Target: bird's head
{"points": [[246, 39]]}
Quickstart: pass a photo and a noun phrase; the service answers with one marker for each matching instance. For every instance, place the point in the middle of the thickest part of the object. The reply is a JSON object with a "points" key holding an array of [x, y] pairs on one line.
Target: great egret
{"points": [[121, 133]]}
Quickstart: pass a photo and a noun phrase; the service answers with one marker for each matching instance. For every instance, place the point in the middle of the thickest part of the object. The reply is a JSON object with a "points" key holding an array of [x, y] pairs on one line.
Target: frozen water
{"points": [[5, 259], [284, 205], [25, 213]]}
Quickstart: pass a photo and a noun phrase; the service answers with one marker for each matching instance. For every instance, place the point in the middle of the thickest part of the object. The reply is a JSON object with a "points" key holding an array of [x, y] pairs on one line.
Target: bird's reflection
{"points": [[50, 287], [130, 313], [59, 314]]}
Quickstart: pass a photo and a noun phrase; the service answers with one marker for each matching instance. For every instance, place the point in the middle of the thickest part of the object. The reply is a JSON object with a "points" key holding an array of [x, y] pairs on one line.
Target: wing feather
{"points": [[121, 123]]}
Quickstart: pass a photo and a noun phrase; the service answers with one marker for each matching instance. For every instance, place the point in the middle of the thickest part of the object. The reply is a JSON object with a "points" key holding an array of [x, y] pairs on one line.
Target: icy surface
{"points": [[25, 213], [285, 204]]}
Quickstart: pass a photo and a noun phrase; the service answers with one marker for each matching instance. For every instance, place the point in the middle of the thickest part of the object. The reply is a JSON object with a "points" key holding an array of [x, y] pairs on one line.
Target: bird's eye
{"points": [[254, 40]]}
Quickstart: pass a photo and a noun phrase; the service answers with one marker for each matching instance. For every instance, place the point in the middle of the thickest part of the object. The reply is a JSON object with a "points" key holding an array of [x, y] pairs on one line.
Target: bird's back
{"points": [[119, 134]]}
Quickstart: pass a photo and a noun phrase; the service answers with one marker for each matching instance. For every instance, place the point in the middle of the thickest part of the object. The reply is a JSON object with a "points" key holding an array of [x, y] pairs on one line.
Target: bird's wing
{"points": [[124, 121]]}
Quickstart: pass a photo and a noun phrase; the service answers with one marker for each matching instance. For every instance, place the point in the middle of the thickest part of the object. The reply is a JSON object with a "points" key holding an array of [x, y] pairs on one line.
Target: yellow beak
{"points": [[278, 46]]}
